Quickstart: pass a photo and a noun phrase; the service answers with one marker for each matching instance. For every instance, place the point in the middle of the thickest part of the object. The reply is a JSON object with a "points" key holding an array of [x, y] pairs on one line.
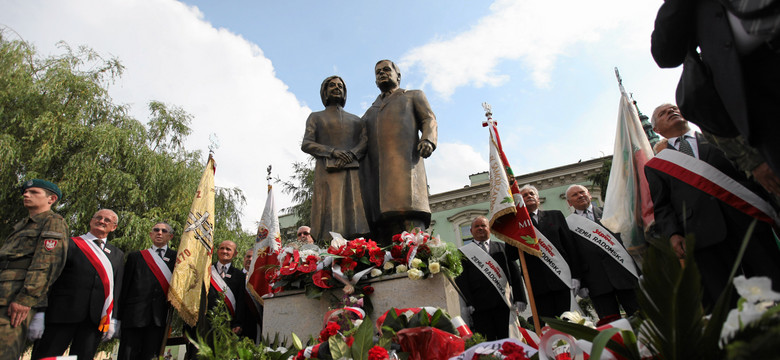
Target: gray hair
{"points": [[529, 186]]}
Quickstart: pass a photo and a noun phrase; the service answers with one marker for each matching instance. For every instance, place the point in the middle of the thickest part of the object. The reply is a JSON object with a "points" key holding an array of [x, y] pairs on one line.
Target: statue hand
{"points": [[343, 156], [425, 148]]}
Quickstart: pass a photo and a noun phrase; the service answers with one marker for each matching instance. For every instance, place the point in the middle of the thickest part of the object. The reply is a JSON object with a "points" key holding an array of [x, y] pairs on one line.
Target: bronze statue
{"points": [[337, 140], [401, 131]]}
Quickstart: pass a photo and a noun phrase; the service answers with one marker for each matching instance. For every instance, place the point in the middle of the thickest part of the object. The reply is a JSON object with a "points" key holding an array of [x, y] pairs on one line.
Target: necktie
{"points": [[222, 270], [483, 245], [160, 252], [99, 243], [588, 214], [685, 146]]}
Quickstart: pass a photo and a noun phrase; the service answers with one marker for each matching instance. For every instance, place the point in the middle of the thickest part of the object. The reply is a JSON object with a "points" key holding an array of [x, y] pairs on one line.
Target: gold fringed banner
{"points": [[191, 272]]}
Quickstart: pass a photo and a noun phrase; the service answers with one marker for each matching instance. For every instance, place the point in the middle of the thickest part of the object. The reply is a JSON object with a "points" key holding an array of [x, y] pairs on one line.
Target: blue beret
{"points": [[43, 184]]}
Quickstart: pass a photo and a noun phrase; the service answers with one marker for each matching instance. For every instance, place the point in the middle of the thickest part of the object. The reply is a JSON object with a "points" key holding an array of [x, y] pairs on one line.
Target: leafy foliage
{"points": [[600, 178], [60, 124]]}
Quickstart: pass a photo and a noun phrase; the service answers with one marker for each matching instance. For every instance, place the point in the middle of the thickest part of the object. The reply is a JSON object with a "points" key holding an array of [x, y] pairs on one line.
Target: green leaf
{"points": [[338, 347], [600, 341], [585, 333], [508, 200], [529, 240], [364, 340]]}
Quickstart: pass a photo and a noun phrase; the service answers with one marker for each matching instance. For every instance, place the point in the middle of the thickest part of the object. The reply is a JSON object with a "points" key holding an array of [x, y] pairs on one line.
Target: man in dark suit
{"points": [[681, 209], [80, 312], [552, 295], [145, 307], [235, 280], [608, 283], [490, 316], [253, 320]]}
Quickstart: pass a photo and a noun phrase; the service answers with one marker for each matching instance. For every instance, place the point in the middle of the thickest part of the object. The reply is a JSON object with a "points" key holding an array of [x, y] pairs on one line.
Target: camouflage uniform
{"points": [[30, 260]]}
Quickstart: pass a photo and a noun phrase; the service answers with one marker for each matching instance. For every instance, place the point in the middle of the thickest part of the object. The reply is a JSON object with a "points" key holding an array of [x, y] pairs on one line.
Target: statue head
{"points": [[331, 92], [387, 75]]}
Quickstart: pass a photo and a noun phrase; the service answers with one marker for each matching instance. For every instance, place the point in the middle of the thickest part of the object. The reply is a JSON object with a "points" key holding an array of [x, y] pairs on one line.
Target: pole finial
{"points": [[488, 114]]}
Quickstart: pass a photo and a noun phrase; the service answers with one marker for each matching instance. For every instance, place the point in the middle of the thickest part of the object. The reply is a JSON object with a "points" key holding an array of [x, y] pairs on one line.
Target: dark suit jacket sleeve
{"points": [[570, 250], [129, 270], [236, 285], [673, 33], [660, 192], [463, 281], [118, 264], [515, 278]]}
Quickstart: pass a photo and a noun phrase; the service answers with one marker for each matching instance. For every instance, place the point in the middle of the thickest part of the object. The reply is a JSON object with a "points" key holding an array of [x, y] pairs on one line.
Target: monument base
{"points": [[292, 312]]}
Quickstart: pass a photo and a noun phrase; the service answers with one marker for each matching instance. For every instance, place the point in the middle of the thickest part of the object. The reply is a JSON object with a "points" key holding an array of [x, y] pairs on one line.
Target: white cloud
{"points": [[451, 164], [172, 55], [535, 32]]}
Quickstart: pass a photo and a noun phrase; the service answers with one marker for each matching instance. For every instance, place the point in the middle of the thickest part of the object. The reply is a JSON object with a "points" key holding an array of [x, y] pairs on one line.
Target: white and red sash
{"points": [[158, 267], [553, 259], [712, 181], [603, 239], [102, 265], [218, 283]]}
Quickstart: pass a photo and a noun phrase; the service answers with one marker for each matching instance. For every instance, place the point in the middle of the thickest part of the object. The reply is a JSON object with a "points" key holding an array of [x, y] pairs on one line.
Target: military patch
{"points": [[49, 244]]}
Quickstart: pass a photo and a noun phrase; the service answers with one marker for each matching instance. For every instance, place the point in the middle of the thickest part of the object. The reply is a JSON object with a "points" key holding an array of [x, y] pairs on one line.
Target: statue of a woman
{"points": [[337, 140]]}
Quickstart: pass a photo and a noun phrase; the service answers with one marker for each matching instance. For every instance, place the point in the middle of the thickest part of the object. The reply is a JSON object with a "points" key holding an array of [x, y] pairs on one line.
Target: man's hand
{"points": [[767, 178], [520, 306], [17, 313], [678, 245], [112, 326], [575, 285], [425, 148], [36, 326], [583, 293]]}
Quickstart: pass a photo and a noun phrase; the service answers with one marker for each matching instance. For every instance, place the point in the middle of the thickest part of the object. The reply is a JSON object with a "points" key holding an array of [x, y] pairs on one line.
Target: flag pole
{"points": [[521, 254]]}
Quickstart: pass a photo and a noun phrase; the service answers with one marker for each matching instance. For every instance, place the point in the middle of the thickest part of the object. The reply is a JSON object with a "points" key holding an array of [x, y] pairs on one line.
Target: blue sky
{"points": [[249, 72]]}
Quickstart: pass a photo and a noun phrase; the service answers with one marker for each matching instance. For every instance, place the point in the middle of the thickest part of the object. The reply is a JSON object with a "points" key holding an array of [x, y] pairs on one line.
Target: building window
{"points": [[465, 233]]}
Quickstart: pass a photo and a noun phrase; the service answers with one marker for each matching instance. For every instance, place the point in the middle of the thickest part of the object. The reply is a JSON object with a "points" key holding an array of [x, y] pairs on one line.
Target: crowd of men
{"points": [[74, 292]]}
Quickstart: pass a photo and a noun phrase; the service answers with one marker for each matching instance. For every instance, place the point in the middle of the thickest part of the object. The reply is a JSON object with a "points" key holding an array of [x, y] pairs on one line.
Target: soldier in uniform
{"points": [[31, 258]]}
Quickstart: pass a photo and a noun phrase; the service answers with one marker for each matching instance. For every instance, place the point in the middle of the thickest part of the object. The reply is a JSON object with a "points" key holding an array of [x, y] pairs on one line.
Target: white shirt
{"points": [[90, 237], [691, 137]]}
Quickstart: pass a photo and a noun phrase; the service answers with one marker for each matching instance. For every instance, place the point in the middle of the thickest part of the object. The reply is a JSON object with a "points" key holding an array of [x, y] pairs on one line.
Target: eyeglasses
{"points": [[106, 220], [163, 230], [303, 233]]}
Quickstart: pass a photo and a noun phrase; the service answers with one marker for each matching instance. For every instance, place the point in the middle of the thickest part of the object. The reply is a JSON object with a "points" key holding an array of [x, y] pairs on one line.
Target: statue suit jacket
{"points": [[143, 301], [682, 209], [478, 290], [552, 224], [600, 273], [77, 295], [235, 280]]}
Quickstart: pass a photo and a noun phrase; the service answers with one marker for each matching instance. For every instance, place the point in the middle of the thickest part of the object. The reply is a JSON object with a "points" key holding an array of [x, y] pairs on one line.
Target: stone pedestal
{"points": [[291, 312]]}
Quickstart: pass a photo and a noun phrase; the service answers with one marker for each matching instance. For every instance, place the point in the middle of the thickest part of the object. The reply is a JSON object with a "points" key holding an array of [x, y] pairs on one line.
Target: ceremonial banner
{"points": [[591, 231], [712, 181], [268, 244], [628, 208], [509, 219], [191, 272]]}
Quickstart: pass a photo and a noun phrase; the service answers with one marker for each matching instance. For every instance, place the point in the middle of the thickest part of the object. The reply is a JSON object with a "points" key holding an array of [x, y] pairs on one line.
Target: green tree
{"points": [[300, 186], [600, 178], [60, 124]]}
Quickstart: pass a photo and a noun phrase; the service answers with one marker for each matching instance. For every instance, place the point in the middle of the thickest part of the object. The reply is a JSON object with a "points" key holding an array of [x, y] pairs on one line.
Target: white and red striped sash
{"points": [[102, 265], [219, 283], [712, 181], [158, 267]]}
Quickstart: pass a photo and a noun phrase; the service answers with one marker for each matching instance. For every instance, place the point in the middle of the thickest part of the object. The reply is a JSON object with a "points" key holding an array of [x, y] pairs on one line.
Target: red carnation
{"points": [[378, 353], [350, 341], [368, 290], [348, 264], [513, 351], [300, 355], [331, 329], [397, 251], [397, 238]]}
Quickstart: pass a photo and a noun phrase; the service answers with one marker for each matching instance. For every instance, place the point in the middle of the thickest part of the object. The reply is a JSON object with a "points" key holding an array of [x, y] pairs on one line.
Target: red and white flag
{"points": [[509, 219], [628, 208], [268, 244]]}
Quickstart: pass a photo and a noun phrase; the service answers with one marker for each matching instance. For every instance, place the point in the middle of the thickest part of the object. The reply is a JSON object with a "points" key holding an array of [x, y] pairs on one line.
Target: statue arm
{"points": [[310, 145], [426, 120]]}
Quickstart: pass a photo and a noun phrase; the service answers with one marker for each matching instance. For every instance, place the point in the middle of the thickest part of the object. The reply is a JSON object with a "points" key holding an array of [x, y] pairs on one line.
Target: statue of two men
{"points": [[387, 146]]}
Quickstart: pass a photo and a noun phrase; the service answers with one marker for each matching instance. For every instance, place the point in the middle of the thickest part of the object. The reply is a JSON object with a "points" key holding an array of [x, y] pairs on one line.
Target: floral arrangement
{"points": [[345, 263], [421, 255]]}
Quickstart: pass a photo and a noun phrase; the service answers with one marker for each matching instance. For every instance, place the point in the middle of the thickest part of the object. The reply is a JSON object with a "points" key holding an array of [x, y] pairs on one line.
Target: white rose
{"points": [[434, 267], [388, 265], [401, 269], [415, 274], [375, 272], [416, 263]]}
